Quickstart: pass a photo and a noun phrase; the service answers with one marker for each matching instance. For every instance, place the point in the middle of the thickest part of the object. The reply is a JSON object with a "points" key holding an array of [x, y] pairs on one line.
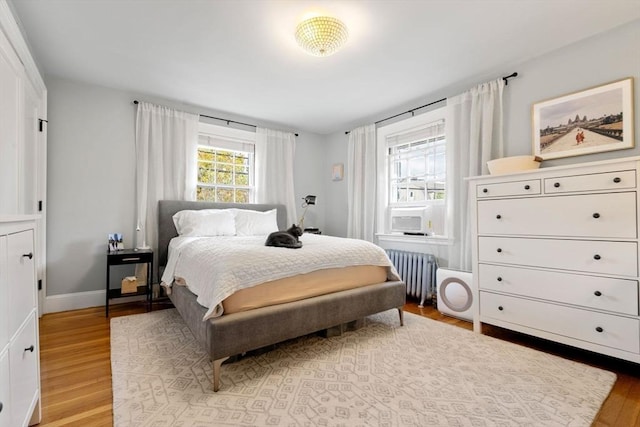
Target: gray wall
{"points": [[91, 150], [90, 182], [335, 149], [91, 178], [607, 57]]}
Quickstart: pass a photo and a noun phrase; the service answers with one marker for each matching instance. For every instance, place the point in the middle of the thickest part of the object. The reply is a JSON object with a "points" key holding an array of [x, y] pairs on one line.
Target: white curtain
{"points": [[474, 124], [275, 155], [166, 164], [361, 182]]}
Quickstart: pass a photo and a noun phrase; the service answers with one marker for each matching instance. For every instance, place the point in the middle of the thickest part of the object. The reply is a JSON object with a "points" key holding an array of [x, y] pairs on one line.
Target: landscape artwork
{"points": [[590, 121]]}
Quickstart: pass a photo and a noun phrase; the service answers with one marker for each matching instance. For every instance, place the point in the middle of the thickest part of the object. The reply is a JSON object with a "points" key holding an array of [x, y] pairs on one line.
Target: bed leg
{"points": [[401, 314], [216, 373]]}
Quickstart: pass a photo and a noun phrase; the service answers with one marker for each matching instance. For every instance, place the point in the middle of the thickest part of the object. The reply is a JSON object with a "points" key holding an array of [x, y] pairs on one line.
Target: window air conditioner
{"points": [[427, 220], [409, 220]]}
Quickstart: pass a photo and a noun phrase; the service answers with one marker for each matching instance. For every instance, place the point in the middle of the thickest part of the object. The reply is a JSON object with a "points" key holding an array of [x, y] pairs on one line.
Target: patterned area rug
{"points": [[423, 374]]}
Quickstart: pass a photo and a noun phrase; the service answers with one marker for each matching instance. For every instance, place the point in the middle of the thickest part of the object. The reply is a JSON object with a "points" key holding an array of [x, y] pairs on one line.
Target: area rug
{"points": [[425, 373]]}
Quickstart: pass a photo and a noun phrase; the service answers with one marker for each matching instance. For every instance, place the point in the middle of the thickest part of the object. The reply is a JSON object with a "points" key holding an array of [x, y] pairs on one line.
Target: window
{"points": [[417, 165], [412, 184], [225, 165]]}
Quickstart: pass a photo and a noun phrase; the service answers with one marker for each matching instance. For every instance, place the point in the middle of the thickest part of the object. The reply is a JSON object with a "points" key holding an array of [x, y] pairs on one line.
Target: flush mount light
{"points": [[322, 35]]}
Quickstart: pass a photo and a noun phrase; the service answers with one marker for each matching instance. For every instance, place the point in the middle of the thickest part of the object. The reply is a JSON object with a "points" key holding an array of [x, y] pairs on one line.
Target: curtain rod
{"points": [[135, 101], [412, 111]]}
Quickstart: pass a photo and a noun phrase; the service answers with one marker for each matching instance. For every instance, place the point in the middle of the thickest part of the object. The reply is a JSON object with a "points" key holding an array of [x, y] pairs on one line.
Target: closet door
{"points": [[28, 153], [10, 126]]}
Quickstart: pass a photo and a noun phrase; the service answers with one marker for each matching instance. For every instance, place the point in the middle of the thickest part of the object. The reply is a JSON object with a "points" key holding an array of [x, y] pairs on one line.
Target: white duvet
{"points": [[213, 268]]}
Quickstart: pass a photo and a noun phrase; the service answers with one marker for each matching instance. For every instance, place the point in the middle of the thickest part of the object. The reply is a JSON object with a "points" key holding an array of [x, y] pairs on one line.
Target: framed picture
{"points": [[337, 172], [589, 121], [115, 242]]}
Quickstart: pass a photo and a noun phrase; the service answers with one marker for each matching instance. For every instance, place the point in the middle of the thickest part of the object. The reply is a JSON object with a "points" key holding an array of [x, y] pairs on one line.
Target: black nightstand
{"points": [[130, 256]]}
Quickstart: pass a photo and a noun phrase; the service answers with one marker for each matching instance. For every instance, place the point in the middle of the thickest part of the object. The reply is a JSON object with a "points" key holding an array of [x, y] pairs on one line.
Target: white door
{"points": [[10, 89]]}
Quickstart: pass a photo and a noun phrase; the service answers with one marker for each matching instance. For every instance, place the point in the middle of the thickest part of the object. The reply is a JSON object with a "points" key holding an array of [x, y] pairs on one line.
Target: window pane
{"points": [[205, 174], [224, 195], [417, 166], [206, 155], [242, 196], [242, 179], [416, 191], [398, 192], [204, 193], [225, 167], [224, 178], [241, 169], [224, 157], [440, 162], [400, 168]]}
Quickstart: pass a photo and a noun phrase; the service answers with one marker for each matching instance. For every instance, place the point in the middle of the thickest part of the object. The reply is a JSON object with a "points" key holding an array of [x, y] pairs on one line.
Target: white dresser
{"points": [[555, 254], [19, 344]]}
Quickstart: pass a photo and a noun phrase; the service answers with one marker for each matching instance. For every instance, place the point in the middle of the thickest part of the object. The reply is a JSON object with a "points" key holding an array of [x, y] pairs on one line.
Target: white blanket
{"points": [[213, 268]]}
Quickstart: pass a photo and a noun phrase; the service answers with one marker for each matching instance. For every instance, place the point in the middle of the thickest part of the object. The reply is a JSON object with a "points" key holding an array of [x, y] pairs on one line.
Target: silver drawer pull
{"points": [[599, 329], [29, 255], [597, 293], [131, 259], [30, 348]]}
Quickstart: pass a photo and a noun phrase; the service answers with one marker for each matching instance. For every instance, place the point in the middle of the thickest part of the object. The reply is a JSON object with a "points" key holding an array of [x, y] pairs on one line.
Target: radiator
{"points": [[417, 271]]}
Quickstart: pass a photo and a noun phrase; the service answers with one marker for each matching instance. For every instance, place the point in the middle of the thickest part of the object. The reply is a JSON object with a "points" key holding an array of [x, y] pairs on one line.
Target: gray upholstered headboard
{"points": [[168, 208]]}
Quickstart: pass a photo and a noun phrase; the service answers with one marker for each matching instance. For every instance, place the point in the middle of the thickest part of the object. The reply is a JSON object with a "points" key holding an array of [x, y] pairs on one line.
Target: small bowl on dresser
{"points": [[513, 164]]}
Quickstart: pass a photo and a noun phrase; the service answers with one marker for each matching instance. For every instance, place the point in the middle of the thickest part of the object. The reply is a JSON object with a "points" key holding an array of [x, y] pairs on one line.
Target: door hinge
{"points": [[40, 123], [39, 284], [39, 205]]}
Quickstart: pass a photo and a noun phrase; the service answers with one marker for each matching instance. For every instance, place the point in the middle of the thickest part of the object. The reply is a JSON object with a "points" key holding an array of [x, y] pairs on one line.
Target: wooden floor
{"points": [[76, 370]]}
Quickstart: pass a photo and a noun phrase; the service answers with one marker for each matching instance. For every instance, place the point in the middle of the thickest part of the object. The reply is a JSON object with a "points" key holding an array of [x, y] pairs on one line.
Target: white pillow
{"points": [[205, 223], [255, 223]]}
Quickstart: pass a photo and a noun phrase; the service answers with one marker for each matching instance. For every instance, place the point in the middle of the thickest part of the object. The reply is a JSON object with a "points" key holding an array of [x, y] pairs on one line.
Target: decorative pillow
{"points": [[255, 223], [205, 223]]}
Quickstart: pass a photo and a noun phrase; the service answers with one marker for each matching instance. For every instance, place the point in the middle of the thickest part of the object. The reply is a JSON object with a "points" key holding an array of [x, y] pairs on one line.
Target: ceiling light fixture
{"points": [[322, 35]]}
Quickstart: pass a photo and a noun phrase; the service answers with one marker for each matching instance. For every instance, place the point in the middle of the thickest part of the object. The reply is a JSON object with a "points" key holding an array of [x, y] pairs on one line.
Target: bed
{"points": [[226, 335]]}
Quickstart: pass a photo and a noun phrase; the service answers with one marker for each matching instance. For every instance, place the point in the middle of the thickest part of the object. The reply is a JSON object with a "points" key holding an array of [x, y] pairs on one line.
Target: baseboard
{"points": [[78, 300]]}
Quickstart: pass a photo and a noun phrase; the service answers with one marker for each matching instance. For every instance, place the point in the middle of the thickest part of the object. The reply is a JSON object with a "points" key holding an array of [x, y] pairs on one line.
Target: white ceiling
{"points": [[240, 56]]}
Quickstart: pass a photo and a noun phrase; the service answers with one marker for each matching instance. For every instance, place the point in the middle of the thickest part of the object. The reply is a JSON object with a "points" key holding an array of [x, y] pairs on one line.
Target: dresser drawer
{"points": [[616, 258], [518, 188], [21, 278], [611, 215], [602, 293], [25, 384], [593, 182], [5, 392], [603, 329]]}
